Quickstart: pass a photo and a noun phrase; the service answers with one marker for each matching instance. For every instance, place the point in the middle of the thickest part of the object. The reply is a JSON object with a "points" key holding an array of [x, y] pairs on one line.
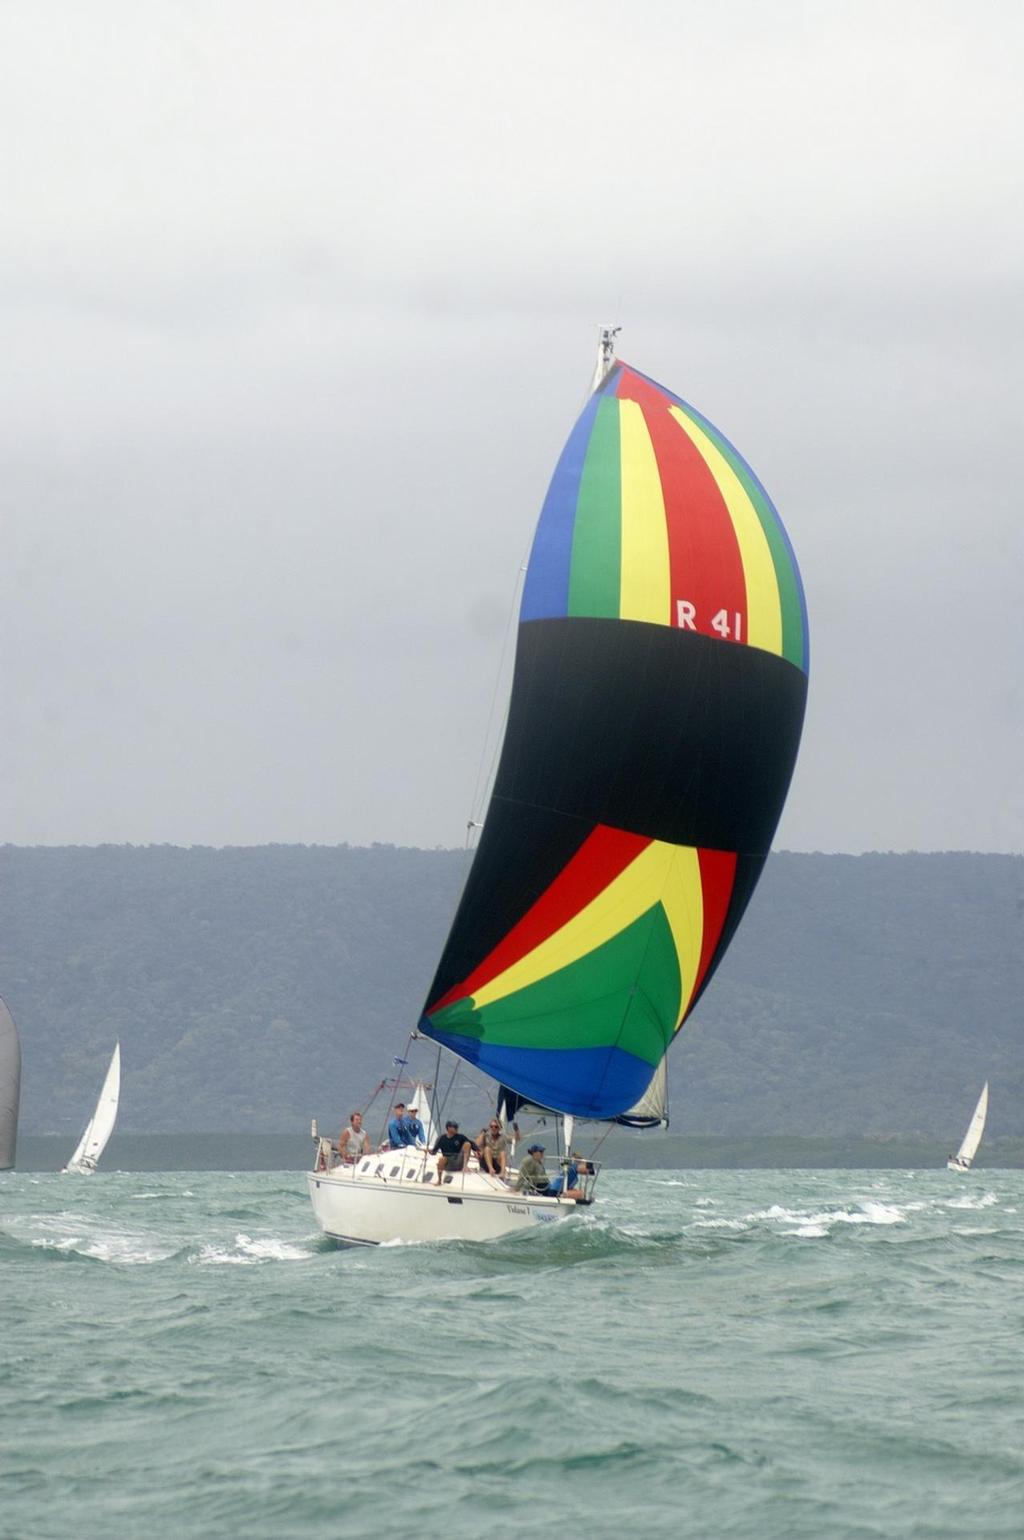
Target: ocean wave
{"points": [[572, 1378], [807, 1223], [248, 1250], [124, 1250], [172, 1194], [719, 1224]]}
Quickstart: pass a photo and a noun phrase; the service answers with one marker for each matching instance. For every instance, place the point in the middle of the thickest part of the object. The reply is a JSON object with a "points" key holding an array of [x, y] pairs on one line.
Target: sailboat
{"points": [[657, 702], [964, 1157], [10, 1087], [101, 1125]]}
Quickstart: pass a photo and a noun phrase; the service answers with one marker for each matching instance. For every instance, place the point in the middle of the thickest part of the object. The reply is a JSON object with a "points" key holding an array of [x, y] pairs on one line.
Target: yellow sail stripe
{"points": [[683, 902], [639, 886], [764, 610], [644, 576]]}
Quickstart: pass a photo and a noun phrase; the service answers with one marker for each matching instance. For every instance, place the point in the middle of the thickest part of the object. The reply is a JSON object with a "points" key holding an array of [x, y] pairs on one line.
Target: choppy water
{"points": [[713, 1354]]}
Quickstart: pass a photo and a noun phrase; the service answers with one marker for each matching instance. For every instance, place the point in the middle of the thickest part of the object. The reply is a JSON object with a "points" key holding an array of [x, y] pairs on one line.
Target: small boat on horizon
{"points": [[964, 1157], [657, 701], [10, 1087], [101, 1125]]}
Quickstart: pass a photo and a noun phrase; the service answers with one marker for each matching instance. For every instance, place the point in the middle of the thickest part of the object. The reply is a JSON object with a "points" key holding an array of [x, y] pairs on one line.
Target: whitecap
{"points": [[248, 1251], [126, 1250], [870, 1212], [881, 1213]]}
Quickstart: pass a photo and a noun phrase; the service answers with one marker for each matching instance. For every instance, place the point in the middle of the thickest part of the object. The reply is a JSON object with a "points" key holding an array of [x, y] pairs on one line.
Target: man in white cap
{"points": [[414, 1130]]}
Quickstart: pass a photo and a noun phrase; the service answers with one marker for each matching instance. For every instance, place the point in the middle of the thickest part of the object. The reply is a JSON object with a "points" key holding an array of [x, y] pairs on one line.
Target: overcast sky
{"points": [[299, 303]]}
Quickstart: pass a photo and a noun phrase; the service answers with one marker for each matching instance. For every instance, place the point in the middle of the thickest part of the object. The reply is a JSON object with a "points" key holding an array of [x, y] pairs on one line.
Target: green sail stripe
{"points": [[624, 993], [594, 578], [790, 601]]}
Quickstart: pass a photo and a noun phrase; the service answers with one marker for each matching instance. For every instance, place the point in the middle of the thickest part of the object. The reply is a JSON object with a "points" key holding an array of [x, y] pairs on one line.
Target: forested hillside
{"points": [[864, 995]]}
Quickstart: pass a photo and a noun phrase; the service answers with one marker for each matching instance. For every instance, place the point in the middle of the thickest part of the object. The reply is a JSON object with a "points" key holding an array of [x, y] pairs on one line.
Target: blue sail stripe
{"points": [[586, 1082], [546, 590]]}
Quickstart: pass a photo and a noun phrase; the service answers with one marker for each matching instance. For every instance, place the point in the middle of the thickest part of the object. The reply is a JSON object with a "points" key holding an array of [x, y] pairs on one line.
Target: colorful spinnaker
{"points": [[657, 702]]}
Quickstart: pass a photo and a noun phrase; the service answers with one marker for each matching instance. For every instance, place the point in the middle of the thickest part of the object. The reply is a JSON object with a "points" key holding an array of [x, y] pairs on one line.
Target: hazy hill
{"points": [[252, 987]]}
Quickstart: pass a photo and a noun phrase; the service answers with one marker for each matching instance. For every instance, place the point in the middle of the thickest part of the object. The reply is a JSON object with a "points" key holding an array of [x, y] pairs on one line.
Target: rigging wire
{"points": [[394, 1087], [483, 783]]}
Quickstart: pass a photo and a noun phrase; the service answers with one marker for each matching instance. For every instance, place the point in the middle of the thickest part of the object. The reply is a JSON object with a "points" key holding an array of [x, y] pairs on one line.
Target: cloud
{"points": [[297, 316]]}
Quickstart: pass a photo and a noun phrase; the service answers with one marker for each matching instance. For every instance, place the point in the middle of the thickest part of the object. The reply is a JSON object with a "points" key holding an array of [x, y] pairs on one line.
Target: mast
{"points": [[605, 356]]}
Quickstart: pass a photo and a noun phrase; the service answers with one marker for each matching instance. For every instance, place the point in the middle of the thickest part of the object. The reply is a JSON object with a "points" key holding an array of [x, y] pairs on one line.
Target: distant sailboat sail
{"points": [[10, 1087], [101, 1125], [964, 1156], [657, 704]]}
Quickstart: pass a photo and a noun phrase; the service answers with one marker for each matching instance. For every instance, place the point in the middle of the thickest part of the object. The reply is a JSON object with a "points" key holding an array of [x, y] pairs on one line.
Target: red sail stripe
{"points": [[705, 564], [717, 876], [603, 855]]}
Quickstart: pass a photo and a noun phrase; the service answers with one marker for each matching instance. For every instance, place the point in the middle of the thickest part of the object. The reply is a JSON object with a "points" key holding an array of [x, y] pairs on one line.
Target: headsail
{"points": [[420, 1099], [10, 1087], [101, 1125], [975, 1129], [657, 702], [651, 1111]]}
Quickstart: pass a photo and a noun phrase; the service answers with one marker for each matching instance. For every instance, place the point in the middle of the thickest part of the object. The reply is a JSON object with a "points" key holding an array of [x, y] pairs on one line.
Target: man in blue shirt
{"points": [[414, 1130], [398, 1134], [569, 1181]]}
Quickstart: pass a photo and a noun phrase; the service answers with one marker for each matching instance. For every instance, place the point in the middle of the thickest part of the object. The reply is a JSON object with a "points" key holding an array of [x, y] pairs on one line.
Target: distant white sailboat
{"points": [[10, 1087], [964, 1156], [101, 1125]]}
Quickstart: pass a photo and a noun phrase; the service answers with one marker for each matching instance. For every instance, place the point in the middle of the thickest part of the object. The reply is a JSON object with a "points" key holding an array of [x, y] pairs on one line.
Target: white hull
{"points": [[955, 1164], [367, 1205]]}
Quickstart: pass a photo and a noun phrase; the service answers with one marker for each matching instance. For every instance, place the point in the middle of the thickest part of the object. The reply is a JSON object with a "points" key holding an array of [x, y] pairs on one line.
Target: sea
{"points": [[703, 1354]]}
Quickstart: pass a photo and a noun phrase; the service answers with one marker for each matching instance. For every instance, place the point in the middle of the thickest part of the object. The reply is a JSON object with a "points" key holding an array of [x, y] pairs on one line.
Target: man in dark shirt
{"points": [[452, 1150]]}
